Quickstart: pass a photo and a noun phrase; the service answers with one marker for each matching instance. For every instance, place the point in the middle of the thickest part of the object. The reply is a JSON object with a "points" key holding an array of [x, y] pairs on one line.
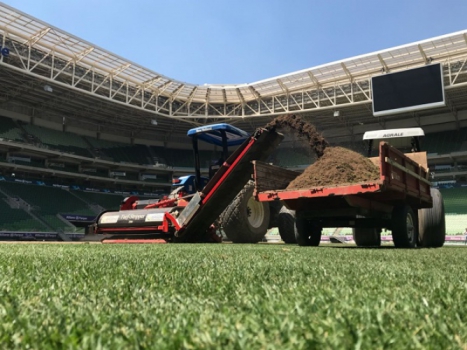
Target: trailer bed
{"points": [[402, 180]]}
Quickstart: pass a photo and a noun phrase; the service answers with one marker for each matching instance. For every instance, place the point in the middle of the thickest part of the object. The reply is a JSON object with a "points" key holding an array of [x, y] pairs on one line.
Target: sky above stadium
{"points": [[234, 42]]}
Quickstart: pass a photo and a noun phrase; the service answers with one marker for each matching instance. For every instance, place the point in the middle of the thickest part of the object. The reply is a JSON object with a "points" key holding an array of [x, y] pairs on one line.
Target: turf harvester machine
{"points": [[401, 200], [188, 213]]}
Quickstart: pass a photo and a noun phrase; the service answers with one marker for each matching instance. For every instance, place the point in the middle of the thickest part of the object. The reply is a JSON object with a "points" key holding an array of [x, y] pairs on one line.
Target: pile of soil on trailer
{"points": [[334, 165], [337, 166], [305, 130]]}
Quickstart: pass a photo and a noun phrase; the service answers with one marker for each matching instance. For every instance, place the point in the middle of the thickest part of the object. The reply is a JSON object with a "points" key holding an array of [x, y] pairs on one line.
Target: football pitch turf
{"points": [[263, 296]]}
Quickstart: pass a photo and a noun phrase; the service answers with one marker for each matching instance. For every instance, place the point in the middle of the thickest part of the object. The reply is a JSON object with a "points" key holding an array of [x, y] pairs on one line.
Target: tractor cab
{"points": [[223, 135]]}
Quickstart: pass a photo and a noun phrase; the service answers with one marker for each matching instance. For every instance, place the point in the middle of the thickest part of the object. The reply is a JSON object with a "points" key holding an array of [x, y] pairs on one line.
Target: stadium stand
{"points": [[120, 152], [158, 179], [104, 200], [184, 157], [131, 176], [54, 139], [75, 144], [158, 155], [17, 219], [71, 168], [96, 148], [9, 130], [292, 157], [96, 172], [455, 205], [29, 161], [180, 158], [445, 141], [434, 143], [47, 202], [455, 200], [206, 158]]}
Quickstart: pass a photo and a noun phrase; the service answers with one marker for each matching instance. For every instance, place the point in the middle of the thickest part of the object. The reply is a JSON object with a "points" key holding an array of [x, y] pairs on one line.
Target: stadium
{"points": [[81, 129], [79, 118]]}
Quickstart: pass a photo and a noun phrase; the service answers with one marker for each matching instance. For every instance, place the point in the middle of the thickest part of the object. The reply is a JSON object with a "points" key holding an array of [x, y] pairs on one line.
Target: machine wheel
{"points": [[366, 237], [404, 227], [286, 225], [432, 223], [307, 232], [246, 220]]}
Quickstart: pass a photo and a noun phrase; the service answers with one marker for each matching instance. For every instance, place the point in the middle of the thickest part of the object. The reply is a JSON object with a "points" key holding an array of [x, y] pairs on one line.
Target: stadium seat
{"points": [[17, 219], [121, 152], [444, 142], [9, 130], [455, 205], [104, 200], [62, 141], [47, 202], [292, 157]]}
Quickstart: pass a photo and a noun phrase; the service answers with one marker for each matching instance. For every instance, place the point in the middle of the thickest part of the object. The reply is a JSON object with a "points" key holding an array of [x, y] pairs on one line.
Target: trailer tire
{"points": [[307, 232], [286, 225], [366, 236], [246, 220], [404, 227], [432, 223]]}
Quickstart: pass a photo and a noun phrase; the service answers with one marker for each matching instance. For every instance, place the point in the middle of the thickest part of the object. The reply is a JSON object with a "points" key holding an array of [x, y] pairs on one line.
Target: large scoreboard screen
{"points": [[410, 90]]}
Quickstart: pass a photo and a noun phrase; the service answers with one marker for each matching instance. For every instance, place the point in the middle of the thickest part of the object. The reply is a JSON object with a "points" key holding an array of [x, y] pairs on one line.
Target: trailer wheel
{"points": [[286, 225], [366, 237], [404, 227], [307, 232], [246, 220], [432, 223]]}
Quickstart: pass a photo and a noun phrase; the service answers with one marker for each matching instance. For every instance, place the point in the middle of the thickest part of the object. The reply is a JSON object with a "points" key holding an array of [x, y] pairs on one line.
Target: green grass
{"points": [[231, 297]]}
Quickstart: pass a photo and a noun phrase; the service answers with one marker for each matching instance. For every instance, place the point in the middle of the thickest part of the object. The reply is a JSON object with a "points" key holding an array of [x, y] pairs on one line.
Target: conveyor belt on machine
{"points": [[229, 180]]}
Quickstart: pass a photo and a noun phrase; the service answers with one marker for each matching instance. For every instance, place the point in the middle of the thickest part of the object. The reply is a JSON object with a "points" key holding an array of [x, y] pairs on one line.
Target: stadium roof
{"points": [[81, 71]]}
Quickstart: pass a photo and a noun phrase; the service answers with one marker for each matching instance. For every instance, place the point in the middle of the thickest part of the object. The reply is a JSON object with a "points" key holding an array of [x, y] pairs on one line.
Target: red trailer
{"points": [[401, 201]]}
